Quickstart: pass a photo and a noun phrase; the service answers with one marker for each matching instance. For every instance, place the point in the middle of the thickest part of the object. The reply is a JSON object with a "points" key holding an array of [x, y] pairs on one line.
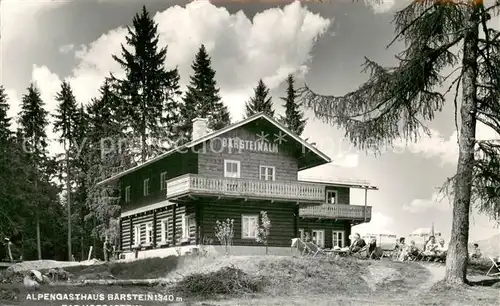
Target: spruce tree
{"points": [[294, 119], [65, 124], [104, 159], [148, 89], [5, 132], [260, 102], [33, 122], [395, 101], [202, 98]]}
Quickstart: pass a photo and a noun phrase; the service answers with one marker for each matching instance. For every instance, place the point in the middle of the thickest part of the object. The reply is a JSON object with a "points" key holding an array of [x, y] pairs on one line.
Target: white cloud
{"points": [[444, 148], [439, 201], [65, 49], [242, 50], [17, 14], [380, 6], [379, 223]]}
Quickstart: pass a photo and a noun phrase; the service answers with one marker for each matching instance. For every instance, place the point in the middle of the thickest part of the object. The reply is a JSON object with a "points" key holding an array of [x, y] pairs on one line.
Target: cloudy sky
{"points": [[49, 41]]}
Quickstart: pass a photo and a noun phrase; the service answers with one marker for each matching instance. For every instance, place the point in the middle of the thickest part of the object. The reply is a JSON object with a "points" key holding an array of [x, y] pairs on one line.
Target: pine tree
{"points": [[260, 102], [149, 89], [395, 101], [294, 119], [65, 124], [202, 98], [33, 122]]}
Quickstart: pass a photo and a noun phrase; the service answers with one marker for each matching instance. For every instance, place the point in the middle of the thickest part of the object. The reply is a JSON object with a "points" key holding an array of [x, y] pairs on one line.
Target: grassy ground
{"points": [[287, 281]]}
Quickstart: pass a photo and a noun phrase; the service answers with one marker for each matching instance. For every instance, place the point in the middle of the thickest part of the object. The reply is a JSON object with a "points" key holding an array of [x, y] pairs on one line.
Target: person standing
{"points": [[105, 249], [9, 249]]}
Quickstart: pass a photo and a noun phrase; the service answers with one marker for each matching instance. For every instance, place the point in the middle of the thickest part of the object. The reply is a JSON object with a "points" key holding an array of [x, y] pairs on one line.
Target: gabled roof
{"points": [[217, 133]]}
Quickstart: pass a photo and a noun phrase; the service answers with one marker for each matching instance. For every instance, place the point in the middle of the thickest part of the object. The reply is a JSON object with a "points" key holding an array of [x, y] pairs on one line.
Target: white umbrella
{"points": [[385, 239], [424, 232], [421, 235]]}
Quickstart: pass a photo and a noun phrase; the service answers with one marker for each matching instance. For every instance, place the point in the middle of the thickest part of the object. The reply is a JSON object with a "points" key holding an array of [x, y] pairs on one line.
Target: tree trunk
{"points": [[38, 235], [143, 147], [116, 282], [456, 260], [68, 190]]}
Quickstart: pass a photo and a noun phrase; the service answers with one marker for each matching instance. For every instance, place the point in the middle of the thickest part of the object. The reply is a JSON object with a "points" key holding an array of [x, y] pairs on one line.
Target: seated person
{"points": [[430, 247], [476, 252], [402, 250], [307, 237], [357, 245], [413, 251], [441, 250], [374, 252]]}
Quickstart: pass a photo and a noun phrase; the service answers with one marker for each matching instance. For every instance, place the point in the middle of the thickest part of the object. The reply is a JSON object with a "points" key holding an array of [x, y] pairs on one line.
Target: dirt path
{"points": [[437, 273]]}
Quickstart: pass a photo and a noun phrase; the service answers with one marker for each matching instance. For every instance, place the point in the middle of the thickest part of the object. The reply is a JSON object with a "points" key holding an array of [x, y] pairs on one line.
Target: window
{"points": [[146, 187], [319, 237], [149, 232], [267, 173], [163, 181], [331, 197], [137, 234], [231, 168], [338, 239], [301, 233], [187, 222], [164, 230], [249, 225], [127, 194]]}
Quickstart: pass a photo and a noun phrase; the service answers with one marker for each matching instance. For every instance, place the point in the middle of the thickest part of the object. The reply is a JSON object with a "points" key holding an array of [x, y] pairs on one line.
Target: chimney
{"points": [[200, 128]]}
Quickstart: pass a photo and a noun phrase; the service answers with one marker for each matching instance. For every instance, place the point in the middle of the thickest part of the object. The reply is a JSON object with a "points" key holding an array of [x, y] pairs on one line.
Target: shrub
{"points": [[226, 281], [264, 229], [224, 231]]}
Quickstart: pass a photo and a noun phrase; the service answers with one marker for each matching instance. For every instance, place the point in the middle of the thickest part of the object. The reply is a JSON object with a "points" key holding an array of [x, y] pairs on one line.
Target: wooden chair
{"points": [[301, 246], [495, 266], [316, 250]]}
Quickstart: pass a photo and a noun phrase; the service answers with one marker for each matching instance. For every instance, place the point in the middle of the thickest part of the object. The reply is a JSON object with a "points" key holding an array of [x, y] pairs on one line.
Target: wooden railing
{"points": [[194, 183], [337, 211]]}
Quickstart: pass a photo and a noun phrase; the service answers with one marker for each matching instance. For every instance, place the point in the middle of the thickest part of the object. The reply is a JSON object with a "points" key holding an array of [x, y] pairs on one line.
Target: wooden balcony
{"points": [[197, 185], [337, 211]]}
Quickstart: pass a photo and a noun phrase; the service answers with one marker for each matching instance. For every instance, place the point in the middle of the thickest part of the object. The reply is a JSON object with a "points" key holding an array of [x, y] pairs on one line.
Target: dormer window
{"points": [[146, 187], [127, 194], [163, 181], [331, 197]]}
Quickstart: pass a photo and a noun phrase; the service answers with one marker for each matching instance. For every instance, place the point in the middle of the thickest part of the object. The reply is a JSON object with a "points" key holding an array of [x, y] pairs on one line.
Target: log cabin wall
{"points": [[174, 165], [281, 216], [211, 159], [128, 223]]}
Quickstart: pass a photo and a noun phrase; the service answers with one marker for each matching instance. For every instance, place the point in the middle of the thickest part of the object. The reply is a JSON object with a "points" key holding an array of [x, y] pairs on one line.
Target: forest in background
{"points": [[50, 206]]}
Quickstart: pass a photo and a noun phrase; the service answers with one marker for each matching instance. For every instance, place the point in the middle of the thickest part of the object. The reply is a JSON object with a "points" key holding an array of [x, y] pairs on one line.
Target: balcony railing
{"points": [[337, 211], [246, 188]]}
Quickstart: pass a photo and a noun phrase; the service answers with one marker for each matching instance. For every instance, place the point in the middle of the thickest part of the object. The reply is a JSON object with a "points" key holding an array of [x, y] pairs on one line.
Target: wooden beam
{"points": [[131, 232], [174, 223], [154, 228], [121, 234]]}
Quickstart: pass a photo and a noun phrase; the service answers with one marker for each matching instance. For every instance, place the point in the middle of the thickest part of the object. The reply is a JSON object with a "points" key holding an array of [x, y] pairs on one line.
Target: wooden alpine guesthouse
{"points": [[171, 203]]}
